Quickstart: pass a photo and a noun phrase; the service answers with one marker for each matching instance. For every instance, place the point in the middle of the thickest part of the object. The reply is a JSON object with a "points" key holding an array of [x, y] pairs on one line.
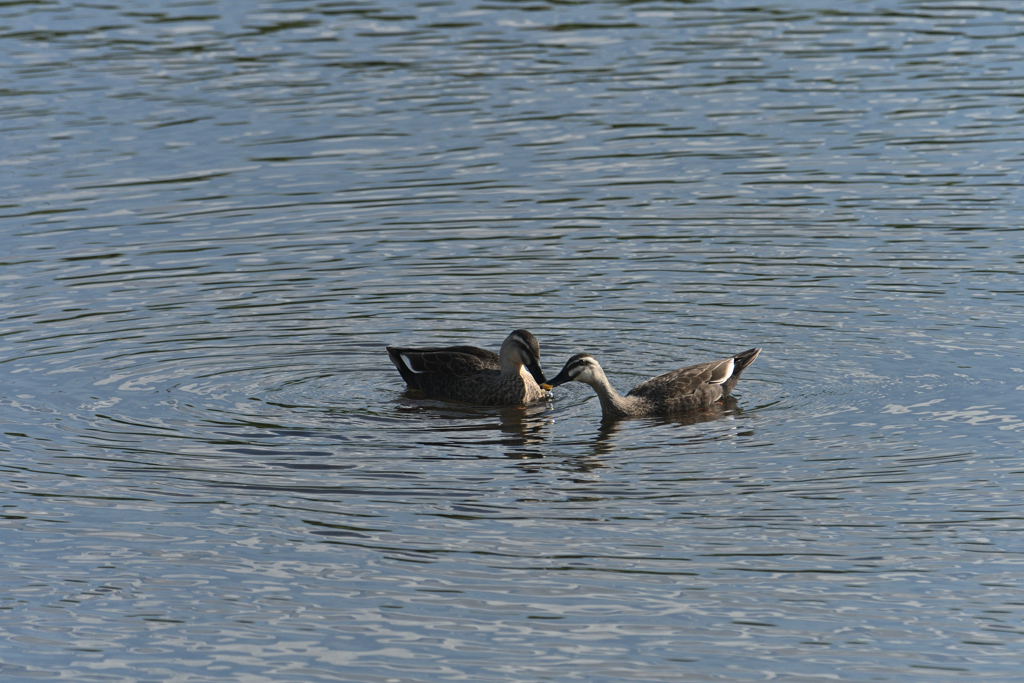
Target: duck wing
{"points": [[451, 361], [675, 383], [697, 385]]}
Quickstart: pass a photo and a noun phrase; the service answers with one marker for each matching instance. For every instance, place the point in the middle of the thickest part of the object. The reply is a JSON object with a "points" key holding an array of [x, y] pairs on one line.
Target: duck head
{"points": [[580, 368], [523, 348]]}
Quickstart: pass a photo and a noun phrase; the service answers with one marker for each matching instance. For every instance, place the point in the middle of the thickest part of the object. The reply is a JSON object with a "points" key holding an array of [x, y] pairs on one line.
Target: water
{"points": [[215, 218]]}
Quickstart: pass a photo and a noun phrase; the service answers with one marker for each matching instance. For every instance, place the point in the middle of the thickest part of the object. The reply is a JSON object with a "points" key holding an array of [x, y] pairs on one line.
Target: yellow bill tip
{"points": [[546, 387]]}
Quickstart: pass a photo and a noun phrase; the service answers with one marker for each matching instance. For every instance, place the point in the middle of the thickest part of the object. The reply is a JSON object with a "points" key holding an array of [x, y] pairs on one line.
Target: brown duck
{"points": [[474, 375], [692, 388]]}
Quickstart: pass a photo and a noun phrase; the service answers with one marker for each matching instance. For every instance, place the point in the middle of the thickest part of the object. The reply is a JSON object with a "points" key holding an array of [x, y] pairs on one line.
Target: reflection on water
{"points": [[216, 217], [456, 425]]}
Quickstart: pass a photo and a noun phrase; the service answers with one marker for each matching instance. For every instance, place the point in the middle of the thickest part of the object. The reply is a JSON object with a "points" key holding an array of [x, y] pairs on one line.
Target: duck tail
{"points": [[743, 359], [404, 368]]}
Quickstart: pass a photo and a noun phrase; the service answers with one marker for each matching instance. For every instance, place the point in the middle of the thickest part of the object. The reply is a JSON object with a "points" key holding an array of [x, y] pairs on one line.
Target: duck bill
{"points": [[560, 378], [537, 373]]}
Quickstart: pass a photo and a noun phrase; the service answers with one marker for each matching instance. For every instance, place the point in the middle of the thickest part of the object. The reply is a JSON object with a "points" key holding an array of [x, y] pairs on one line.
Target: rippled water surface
{"points": [[216, 215]]}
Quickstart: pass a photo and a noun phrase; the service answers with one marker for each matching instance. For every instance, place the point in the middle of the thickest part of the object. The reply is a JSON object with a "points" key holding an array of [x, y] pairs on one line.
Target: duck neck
{"points": [[508, 359], [510, 367], [612, 405]]}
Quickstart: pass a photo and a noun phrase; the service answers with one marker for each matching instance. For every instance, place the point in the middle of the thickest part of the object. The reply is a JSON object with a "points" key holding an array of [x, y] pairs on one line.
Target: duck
{"points": [[692, 388], [474, 375]]}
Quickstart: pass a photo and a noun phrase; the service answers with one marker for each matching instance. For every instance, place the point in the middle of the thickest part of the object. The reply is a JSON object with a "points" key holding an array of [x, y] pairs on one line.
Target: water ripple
{"points": [[217, 217]]}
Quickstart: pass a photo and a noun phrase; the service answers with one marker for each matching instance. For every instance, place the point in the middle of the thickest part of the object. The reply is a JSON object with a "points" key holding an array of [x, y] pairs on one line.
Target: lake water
{"points": [[216, 217]]}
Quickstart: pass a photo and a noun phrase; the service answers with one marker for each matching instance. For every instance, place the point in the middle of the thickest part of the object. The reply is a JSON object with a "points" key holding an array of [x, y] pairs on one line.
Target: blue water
{"points": [[214, 220]]}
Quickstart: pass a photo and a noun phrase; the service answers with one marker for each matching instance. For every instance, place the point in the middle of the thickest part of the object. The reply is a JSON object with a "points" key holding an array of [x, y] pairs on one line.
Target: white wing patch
{"points": [[408, 364], [726, 369]]}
